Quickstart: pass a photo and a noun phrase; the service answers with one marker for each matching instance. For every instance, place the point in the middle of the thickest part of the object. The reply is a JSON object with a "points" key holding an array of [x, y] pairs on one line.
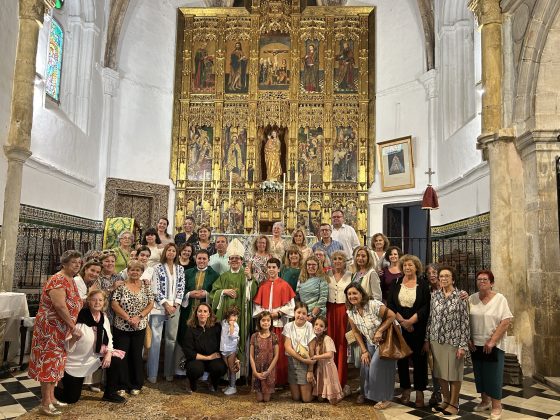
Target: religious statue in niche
{"points": [[200, 152], [237, 80], [232, 221], [274, 62], [204, 77], [312, 76], [273, 152], [345, 70], [235, 153], [344, 167], [351, 214], [310, 148]]}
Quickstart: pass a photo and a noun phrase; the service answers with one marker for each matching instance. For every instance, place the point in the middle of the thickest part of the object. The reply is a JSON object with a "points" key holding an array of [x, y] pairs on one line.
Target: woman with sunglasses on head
{"points": [[490, 317]]}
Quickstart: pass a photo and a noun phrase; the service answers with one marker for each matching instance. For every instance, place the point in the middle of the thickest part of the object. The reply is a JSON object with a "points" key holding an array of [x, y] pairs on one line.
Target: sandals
{"points": [[440, 408], [449, 413], [482, 407], [382, 405]]}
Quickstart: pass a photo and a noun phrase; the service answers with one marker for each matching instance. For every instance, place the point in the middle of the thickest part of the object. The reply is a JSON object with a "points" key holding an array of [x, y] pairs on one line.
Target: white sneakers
{"points": [[230, 390]]}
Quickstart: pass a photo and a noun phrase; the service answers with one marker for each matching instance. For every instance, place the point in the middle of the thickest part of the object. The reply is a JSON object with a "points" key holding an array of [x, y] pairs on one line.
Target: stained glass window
{"points": [[54, 60]]}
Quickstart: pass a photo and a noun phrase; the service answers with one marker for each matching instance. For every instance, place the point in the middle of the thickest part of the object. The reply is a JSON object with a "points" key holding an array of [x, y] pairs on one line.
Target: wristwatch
{"points": [[141, 316]]}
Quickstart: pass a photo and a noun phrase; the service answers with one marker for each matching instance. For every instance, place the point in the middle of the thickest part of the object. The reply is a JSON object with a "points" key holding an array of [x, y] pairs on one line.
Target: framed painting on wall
{"points": [[396, 164]]}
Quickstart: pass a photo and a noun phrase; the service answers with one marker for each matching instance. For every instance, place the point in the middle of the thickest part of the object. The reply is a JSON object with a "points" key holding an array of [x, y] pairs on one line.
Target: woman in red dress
{"points": [[56, 319]]}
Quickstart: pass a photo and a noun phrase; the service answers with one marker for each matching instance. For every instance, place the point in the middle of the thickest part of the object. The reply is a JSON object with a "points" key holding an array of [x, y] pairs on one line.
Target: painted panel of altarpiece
{"points": [[204, 73], [235, 153], [312, 78], [200, 153], [311, 153], [345, 70], [274, 62], [237, 60], [344, 155]]}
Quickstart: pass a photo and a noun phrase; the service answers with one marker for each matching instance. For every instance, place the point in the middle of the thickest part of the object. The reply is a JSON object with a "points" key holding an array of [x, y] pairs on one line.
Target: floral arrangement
{"points": [[271, 186]]}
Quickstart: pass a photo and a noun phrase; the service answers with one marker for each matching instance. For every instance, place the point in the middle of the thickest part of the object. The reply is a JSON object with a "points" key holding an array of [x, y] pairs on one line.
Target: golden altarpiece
{"points": [[274, 112]]}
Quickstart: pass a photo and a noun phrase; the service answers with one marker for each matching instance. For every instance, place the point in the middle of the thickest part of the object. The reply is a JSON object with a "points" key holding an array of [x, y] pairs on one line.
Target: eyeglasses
{"points": [[483, 280], [108, 252], [234, 258]]}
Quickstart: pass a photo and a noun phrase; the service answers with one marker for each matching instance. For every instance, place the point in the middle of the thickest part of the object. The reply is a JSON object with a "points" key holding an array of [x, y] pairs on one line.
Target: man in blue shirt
{"points": [[327, 244]]}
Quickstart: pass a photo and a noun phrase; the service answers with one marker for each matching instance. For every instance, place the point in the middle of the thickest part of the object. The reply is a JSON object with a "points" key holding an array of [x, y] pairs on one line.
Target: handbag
{"points": [[350, 337], [393, 346], [300, 348]]}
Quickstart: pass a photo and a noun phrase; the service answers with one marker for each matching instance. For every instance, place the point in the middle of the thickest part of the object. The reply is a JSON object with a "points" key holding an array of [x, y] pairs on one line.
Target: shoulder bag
{"points": [[393, 346]]}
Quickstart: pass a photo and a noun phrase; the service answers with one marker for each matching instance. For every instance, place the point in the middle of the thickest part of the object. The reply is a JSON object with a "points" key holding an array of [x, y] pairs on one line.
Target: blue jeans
{"points": [[156, 324]]}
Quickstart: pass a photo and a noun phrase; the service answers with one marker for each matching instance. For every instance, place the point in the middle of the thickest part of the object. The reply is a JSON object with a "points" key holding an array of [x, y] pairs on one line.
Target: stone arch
{"points": [[114, 27], [544, 14], [426, 9], [547, 93]]}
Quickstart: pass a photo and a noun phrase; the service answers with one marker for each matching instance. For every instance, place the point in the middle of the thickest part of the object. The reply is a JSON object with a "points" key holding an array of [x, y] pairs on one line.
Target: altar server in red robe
{"points": [[276, 296]]}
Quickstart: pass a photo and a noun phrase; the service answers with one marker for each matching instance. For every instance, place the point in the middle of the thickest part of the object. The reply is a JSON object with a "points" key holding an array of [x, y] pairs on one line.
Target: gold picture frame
{"points": [[396, 162]]}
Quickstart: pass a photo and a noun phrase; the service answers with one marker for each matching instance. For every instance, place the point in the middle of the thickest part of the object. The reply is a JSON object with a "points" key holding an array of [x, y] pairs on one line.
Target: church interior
{"points": [[242, 113]]}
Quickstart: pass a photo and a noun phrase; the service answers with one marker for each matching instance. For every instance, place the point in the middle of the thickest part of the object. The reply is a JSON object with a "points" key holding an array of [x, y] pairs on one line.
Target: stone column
{"points": [[539, 150], [111, 82], [19, 137], [507, 230]]}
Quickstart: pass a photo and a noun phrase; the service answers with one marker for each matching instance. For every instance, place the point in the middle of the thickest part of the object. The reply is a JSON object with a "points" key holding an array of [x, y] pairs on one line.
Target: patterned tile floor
{"points": [[19, 394]]}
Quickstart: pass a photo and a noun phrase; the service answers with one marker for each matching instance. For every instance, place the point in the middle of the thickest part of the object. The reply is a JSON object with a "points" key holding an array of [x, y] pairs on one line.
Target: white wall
{"points": [[61, 174], [8, 39]]}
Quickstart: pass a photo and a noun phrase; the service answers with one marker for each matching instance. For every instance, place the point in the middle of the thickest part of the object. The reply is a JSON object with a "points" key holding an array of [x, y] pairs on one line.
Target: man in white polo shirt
{"points": [[345, 234]]}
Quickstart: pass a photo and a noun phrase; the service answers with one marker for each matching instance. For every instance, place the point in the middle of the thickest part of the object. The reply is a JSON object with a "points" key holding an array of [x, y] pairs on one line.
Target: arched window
{"points": [[53, 71]]}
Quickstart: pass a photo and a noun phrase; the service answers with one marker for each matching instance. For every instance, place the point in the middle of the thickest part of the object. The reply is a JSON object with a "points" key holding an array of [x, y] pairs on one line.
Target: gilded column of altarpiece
{"points": [[276, 95]]}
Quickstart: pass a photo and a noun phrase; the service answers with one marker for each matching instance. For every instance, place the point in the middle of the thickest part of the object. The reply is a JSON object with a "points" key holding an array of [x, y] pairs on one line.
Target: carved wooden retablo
{"points": [[279, 95]]}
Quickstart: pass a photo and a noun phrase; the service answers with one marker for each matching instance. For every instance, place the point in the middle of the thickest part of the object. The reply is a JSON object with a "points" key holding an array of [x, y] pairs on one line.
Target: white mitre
{"points": [[235, 247]]}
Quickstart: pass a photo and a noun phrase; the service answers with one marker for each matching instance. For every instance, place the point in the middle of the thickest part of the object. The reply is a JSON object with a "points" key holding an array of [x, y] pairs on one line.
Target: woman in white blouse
{"points": [[368, 320], [490, 317], [337, 317], [168, 286], [93, 350]]}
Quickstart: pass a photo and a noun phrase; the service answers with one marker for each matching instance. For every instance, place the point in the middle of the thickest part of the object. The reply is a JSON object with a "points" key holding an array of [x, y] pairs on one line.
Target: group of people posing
{"points": [[282, 313]]}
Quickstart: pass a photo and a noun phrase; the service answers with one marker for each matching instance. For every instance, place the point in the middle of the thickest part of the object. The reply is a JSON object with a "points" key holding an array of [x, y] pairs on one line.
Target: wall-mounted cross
{"points": [[429, 173]]}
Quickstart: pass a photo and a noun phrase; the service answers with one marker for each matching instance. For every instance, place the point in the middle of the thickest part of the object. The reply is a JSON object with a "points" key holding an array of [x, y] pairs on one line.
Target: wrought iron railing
{"points": [[465, 255], [39, 249]]}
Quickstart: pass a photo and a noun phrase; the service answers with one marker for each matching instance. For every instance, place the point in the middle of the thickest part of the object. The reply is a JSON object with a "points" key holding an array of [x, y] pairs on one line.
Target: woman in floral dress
{"points": [[56, 319]]}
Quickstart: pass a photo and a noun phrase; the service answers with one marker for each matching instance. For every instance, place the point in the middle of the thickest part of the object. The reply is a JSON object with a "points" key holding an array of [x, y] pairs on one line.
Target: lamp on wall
{"points": [[429, 202]]}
